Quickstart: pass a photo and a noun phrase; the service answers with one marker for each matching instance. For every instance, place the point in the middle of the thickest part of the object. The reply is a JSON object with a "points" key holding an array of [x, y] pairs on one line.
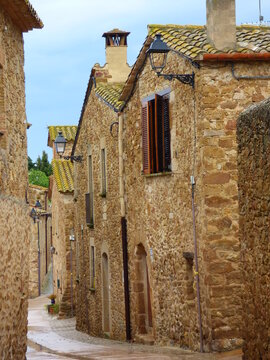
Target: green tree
{"points": [[43, 164], [31, 164], [37, 177]]}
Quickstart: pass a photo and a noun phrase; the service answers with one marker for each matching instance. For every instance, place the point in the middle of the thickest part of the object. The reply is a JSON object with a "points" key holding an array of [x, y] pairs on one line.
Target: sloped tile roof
{"points": [[63, 175], [68, 131], [110, 93], [191, 40], [38, 187], [22, 14]]}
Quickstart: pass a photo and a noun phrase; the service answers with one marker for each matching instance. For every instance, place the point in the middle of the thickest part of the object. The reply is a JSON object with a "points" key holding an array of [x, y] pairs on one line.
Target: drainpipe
{"points": [[196, 263], [194, 224], [124, 226], [71, 280], [46, 233], [39, 285]]}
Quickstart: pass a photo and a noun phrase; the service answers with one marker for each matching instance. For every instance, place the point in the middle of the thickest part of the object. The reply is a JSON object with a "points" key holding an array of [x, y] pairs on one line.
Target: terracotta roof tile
{"points": [[63, 175], [192, 40], [68, 131], [110, 93]]}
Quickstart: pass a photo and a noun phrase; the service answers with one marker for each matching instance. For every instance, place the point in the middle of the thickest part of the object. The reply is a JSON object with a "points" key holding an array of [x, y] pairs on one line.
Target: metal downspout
{"points": [[39, 285], [124, 227], [247, 77], [71, 280], [197, 268], [194, 226]]}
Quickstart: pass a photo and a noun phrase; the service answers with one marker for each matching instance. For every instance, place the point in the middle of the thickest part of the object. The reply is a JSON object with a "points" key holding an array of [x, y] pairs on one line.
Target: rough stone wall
{"points": [[220, 99], [14, 218], [34, 193], [13, 144], [62, 223], [14, 265], [105, 236], [253, 136], [159, 207], [159, 215]]}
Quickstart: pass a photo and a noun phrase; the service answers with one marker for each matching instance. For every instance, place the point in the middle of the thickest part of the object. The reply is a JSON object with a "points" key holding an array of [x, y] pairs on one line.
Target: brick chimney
{"points": [[116, 55], [221, 23]]}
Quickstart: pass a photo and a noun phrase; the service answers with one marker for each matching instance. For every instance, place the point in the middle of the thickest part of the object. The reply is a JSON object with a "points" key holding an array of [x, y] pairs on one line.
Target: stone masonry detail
{"points": [[106, 234], [14, 213], [254, 180], [159, 207]]}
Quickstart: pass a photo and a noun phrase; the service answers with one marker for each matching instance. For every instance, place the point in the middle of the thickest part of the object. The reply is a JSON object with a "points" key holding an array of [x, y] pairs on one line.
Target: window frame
{"points": [[103, 168], [156, 134], [92, 265], [89, 197]]}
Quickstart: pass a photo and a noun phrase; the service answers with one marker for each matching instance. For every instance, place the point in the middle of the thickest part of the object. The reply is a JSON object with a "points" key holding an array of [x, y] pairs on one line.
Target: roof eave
{"points": [[87, 94], [22, 14]]}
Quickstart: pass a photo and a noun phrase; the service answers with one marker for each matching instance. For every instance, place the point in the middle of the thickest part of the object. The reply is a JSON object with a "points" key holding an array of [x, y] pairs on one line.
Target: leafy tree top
{"points": [[37, 177]]}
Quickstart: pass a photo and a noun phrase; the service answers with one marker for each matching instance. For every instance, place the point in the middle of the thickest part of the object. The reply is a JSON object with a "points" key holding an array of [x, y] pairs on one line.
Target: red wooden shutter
{"points": [[167, 140], [145, 139]]}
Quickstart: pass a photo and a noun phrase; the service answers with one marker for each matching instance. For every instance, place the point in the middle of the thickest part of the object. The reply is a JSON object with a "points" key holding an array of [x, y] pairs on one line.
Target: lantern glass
{"points": [[60, 144], [158, 61], [38, 204], [158, 52]]}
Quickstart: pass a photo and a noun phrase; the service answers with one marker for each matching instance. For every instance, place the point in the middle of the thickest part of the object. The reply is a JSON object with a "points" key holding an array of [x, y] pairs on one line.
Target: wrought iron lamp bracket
{"points": [[78, 158], [184, 78]]}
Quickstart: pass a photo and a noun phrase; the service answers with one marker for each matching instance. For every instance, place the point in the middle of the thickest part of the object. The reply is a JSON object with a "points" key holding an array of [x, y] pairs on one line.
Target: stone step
{"points": [[146, 339]]}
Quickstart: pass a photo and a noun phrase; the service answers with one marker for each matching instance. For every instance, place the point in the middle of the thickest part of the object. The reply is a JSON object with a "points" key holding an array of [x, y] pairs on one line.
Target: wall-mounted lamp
{"points": [[34, 214], [72, 236], [60, 146], [158, 53]]}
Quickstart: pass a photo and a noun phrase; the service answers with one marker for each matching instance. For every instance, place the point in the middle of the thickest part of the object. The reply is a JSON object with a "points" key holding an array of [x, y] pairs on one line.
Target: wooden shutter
{"points": [[145, 139], [167, 140], [160, 133]]}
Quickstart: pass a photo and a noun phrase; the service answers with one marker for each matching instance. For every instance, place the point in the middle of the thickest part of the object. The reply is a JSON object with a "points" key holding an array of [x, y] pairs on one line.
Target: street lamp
{"points": [[60, 146], [34, 214], [158, 53]]}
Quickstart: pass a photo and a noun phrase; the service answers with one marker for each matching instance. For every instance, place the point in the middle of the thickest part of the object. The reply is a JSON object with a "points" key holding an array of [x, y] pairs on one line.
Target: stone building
{"points": [[16, 17], [177, 196], [40, 241], [180, 179], [254, 182], [63, 254], [100, 284]]}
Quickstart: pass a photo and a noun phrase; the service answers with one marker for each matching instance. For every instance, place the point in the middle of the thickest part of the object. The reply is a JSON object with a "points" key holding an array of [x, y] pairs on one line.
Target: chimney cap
{"points": [[115, 32]]}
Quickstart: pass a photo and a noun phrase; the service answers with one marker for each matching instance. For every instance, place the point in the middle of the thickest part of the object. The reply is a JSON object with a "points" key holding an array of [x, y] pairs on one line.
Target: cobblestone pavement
{"points": [[50, 338]]}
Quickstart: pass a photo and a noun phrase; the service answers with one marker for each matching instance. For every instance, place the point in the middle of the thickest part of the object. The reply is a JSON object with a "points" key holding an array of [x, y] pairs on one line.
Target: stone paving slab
{"points": [[50, 338]]}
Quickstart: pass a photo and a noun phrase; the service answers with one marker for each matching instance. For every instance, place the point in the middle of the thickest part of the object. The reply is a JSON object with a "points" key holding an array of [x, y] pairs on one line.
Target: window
{"points": [[89, 197], [92, 268], [103, 173], [156, 135]]}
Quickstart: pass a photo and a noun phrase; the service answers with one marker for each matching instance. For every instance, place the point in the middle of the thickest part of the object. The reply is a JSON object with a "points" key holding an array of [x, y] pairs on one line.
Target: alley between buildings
{"points": [[50, 338]]}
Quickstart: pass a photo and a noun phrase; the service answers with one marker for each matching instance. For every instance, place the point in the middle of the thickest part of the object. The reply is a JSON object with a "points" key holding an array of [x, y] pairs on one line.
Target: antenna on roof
{"points": [[260, 12]]}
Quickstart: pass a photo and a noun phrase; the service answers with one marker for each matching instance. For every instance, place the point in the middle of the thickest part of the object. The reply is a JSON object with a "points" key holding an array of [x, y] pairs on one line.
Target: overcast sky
{"points": [[59, 58]]}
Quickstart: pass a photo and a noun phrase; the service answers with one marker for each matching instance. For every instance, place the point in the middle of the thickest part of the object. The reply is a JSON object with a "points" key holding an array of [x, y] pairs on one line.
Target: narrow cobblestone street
{"points": [[50, 338]]}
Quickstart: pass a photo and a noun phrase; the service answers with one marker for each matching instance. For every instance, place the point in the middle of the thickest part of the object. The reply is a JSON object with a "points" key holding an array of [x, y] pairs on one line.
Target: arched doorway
{"points": [[143, 292], [105, 294]]}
